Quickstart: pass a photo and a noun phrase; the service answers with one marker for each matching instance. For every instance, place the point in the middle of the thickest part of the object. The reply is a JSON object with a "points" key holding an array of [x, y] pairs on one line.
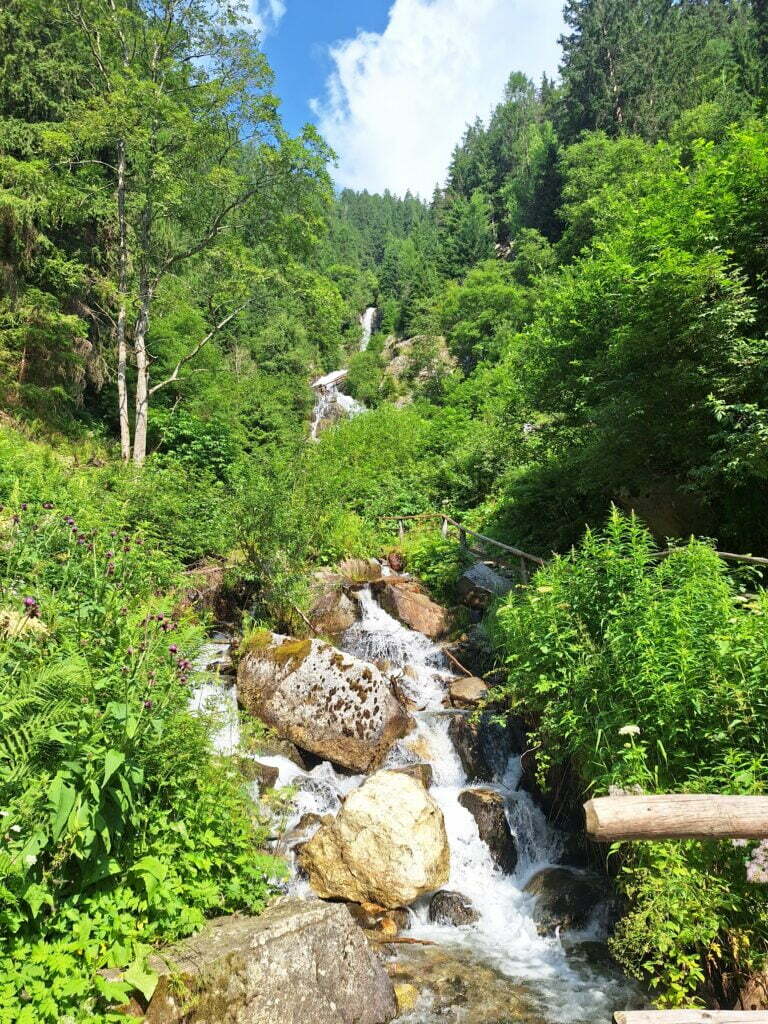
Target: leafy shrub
{"points": [[437, 561], [119, 828], [651, 673]]}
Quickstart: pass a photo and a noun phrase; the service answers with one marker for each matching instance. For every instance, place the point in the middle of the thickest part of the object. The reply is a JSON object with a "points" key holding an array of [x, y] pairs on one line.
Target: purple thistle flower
{"points": [[173, 649], [48, 505], [148, 705], [23, 506], [110, 568], [16, 520]]}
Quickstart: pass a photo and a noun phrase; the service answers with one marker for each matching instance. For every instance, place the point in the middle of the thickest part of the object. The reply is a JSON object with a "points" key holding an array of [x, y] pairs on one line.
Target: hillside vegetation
{"points": [[587, 310]]}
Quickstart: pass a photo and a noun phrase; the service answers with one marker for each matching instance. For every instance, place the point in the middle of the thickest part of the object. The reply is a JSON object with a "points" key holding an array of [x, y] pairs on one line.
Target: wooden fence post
{"points": [[444, 527], [524, 571], [400, 529], [463, 539]]}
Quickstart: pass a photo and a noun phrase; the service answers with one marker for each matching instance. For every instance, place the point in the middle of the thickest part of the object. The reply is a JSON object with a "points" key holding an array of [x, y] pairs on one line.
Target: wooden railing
{"points": [[527, 564]]}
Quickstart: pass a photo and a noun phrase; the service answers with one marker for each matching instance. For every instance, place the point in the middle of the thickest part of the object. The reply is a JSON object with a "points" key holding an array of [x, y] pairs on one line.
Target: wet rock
{"points": [[333, 613], [407, 997], [304, 829], [331, 704], [388, 845], [296, 962], [396, 561], [406, 601], [448, 907], [379, 922], [462, 991], [565, 898], [274, 747], [484, 747], [421, 771], [479, 585], [467, 691], [487, 808]]}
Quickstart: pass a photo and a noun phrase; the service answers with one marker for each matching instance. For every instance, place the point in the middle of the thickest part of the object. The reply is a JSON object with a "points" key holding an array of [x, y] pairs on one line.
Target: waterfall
{"points": [[367, 322], [331, 403], [505, 938]]}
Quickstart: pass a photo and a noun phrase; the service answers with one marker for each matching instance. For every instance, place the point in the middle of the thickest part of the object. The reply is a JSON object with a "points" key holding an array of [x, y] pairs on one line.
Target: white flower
{"points": [[629, 730]]}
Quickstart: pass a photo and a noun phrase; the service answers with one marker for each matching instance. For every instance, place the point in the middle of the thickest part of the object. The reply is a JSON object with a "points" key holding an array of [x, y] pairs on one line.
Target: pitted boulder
{"points": [[329, 703]]}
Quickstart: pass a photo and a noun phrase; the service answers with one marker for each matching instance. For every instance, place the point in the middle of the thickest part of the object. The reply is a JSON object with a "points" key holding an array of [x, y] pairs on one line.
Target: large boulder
{"points": [[331, 704], [388, 845], [406, 601], [487, 808], [565, 898], [297, 962]]}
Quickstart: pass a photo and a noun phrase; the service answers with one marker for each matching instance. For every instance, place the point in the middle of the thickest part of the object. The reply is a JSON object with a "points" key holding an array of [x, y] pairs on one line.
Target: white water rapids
{"points": [[505, 937]]}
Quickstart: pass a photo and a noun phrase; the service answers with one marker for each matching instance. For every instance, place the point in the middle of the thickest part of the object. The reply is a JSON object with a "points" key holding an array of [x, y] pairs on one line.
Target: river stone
{"points": [[297, 962], [331, 704], [466, 691], [407, 602], [448, 907], [388, 845], [487, 808], [565, 898]]}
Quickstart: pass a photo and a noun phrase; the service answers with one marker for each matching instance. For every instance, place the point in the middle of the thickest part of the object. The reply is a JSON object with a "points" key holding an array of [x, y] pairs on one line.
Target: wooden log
{"points": [[691, 1017], [678, 816]]}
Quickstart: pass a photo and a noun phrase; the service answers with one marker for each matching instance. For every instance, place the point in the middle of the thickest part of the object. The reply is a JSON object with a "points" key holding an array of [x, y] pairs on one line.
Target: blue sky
{"points": [[392, 83]]}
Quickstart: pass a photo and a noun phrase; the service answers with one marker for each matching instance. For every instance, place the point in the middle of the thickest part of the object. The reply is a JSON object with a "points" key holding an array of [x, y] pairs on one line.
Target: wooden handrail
{"points": [[472, 533], [727, 556], [676, 816]]}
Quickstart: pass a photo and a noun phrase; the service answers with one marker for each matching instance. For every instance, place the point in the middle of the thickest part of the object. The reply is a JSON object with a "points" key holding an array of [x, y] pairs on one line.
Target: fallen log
{"points": [[677, 816], [691, 1017]]}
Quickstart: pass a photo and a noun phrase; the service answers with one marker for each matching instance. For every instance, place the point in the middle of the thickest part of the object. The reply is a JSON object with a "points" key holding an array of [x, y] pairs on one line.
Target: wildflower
{"points": [[173, 649], [148, 705], [15, 520], [31, 607], [629, 730], [23, 506], [110, 568], [109, 554], [48, 505], [69, 520], [183, 680], [130, 652]]}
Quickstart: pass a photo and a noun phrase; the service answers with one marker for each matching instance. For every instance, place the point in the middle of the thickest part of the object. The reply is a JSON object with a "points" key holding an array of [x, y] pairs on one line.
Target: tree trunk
{"points": [[122, 290], [142, 378]]}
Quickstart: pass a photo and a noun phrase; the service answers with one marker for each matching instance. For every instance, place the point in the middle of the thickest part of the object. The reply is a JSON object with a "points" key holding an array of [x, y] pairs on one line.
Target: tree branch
{"points": [[200, 345]]}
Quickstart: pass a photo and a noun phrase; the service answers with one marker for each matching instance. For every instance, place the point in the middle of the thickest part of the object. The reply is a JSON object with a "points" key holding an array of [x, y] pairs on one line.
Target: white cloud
{"points": [[267, 14], [398, 101]]}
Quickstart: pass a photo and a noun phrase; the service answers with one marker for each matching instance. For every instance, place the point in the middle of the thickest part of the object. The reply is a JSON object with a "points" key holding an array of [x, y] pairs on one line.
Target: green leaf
{"points": [[141, 978], [112, 762], [62, 797], [151, 871]]}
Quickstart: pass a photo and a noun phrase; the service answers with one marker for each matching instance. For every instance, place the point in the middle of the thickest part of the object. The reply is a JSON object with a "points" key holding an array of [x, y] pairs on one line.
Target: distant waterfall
{"points": [[368, 323]]}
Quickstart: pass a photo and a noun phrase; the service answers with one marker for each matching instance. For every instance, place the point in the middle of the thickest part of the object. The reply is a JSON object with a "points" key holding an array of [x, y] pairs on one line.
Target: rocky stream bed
{"points": [[440, 893]]}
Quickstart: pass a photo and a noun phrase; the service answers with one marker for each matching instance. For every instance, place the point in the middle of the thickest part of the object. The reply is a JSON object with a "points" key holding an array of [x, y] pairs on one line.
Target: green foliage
{"points": [[436, 560], [120, 829], [650, 673]]}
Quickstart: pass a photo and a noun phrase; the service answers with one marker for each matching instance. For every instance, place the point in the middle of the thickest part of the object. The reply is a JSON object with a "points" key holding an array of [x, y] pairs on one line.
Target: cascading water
{"points": [[504, 941], [330, 401], [367, 322]]}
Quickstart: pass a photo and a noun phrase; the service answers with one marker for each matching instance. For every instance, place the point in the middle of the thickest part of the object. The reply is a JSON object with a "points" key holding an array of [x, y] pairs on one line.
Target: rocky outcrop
{"points": [[565, 898], [487, 808], [466, 691], [452, 908], [388, 845], [406, 601], [295, 963], [480, 585], [331, 704]]}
